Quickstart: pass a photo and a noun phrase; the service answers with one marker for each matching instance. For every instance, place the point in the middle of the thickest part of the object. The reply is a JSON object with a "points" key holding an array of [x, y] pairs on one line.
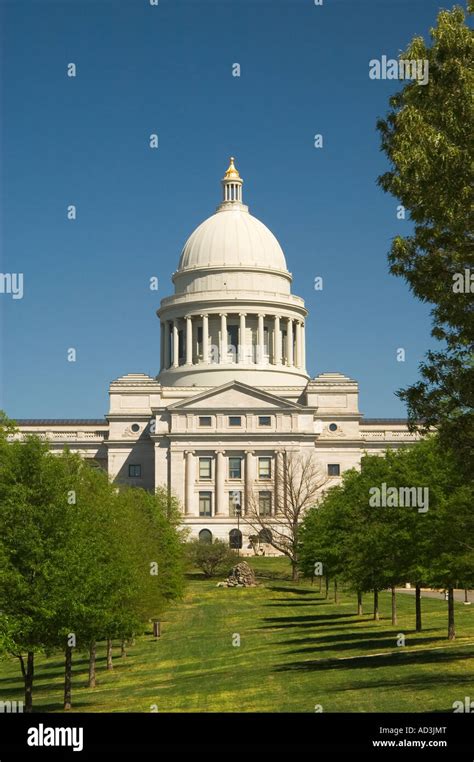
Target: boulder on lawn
{"points": [[241, 575]]}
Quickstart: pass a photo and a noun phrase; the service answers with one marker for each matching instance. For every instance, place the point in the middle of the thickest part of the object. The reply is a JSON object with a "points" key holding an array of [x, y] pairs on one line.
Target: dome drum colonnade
{"points": [[228, 338], [232, 306]]}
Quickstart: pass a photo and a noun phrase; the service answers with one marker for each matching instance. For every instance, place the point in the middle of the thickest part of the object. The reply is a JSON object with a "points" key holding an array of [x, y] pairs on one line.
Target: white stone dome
{"points": [[232, 238]]}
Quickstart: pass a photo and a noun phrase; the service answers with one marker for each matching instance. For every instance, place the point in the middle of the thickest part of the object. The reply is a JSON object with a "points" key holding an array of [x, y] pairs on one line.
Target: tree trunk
{"points": [[92, 657], [294, 571], [394, 605], [336, 599], [451, 630], [28, 674], [327, 586], [123, 650], [68, 679], [109, 654], [320, 584], [418, 608], [376, 604], [359, 603]]}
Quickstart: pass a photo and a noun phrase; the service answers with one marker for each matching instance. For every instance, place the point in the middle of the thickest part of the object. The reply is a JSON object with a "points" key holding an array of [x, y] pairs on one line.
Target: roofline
{"points": [[60, 421]]}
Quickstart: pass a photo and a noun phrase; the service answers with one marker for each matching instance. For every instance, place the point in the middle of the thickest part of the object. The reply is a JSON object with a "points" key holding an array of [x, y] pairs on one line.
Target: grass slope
{"points": [[296, 650]]}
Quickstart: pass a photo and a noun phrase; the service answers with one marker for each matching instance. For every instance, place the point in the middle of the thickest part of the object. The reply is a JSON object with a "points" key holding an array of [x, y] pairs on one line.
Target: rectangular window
{"points": [[205, 468], [235, 499], [264, 468], [205, 420], [181, 344], [334, 469], [235, 468], [205, 503], [235, 420], [265, 503], [264, 420], [134, 470], [232, 337]]}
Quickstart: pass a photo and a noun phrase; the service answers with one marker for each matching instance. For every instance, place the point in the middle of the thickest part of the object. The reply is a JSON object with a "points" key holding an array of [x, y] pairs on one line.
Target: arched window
{"points": [[235, 539], [265, 535], [205, 535]]}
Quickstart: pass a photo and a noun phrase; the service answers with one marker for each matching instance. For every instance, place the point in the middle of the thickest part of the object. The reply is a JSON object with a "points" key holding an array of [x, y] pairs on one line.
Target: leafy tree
{"points": [[212, 558], [427, 137], [33, 522]]}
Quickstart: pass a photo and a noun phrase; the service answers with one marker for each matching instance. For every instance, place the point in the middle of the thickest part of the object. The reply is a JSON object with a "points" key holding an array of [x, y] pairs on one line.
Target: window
{"points": [[204, 503], [265, 503], [235, 420], [235, 539], [205, 468], [265, 535], [205, 420], [235, 468], [205, 536], [235, 499], [333, 427], [264, 468], [180, 344], [199, 337], [134, 470], [135, 427], [334, 469], [233, 337], [264, 420]]}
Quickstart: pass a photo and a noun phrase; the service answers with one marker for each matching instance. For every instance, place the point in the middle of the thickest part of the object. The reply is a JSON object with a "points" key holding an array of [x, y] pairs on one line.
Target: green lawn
{"points": [[296, 650]]}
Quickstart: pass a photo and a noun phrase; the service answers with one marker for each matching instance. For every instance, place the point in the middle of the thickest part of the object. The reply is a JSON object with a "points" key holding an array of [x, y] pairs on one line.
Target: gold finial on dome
{"points": [[232, 171]]}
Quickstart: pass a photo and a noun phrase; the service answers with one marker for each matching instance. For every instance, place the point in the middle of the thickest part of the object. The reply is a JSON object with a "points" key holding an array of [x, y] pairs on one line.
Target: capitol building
{"points": [[233, 394]]}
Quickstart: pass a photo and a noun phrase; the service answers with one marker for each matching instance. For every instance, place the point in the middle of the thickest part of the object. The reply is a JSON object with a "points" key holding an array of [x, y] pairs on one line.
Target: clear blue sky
{"points": [[168, 69]]}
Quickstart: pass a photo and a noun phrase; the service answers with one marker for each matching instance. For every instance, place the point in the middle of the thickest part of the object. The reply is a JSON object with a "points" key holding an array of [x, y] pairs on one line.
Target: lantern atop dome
{"points": [[232, 185]]}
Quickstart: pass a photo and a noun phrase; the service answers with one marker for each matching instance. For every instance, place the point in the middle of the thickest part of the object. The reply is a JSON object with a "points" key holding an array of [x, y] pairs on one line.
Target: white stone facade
{"points": [[233, 394]]}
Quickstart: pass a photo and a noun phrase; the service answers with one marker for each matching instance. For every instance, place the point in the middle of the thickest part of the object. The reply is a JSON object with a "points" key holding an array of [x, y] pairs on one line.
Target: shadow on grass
{"points": [[309, 618], [360, 645], [399, 658], [296, 590], [359, 636]]}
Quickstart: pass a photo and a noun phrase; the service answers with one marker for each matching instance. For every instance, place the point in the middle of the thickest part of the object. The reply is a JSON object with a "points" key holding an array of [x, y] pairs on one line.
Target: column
{"points": [[167, 344], [189, 498], [189, 340], [303, 346], [223, 347], [277, 341], [298, 345], [175, 344], [278, 481], [220, 507], [162, 346], [289, 342], [249, 480], [205, 338], [260, 347], [242, 338]]}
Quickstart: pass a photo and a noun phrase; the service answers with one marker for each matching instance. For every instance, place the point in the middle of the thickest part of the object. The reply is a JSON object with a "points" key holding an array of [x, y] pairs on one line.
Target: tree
{"points": [[427, 137], [79, 560], [322, 539], [33, 523], [298, 482], [213, 558]]}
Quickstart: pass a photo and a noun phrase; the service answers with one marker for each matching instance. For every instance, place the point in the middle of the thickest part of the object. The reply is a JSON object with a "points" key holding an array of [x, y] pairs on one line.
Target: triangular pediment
{"points": [[234, 396]]}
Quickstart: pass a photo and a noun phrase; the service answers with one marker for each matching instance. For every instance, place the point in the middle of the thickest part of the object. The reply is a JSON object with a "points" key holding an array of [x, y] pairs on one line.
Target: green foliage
{"points": [[376, 547], [427, 137], [212, 558], [78, 557]]}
